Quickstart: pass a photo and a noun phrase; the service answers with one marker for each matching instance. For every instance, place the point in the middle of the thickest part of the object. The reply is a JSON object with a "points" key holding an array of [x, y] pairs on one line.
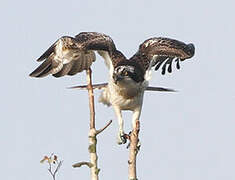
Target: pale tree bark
{"points": [[133, 151], [92, 132], [93, 165], [133, 138]]}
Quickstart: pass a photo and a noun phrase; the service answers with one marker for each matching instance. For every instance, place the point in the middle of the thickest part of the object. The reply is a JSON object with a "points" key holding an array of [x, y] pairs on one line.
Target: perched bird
{"points": [[128, 78]]}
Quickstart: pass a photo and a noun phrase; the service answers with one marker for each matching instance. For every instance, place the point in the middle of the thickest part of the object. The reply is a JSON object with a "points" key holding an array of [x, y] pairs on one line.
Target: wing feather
{"points": [[40, 68], [64, 71], [161, 52], [95, 41], [47, 53], [69, 56]]}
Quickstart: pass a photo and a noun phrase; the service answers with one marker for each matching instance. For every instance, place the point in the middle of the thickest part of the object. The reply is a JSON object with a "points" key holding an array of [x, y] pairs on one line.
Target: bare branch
{"points": [[94, 86], [92, 132], [101, 130], [91, 98], [53, 163], [103, 85], [94, 170], [58, 167], [82, 164]]}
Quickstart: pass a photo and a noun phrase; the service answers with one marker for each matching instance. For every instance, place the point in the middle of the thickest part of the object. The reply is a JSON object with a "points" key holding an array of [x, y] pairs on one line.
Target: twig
{"points": [[58, 167], [103, 85], [52, 160], [50, 171], [101, 130], [94, 86], [82, 164]]}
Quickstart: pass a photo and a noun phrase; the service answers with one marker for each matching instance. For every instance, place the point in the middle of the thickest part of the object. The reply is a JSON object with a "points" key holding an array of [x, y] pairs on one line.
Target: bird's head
{"points": [[127, 73]]}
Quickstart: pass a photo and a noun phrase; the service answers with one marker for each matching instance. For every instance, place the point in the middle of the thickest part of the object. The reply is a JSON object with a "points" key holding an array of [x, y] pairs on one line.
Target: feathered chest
{"points": [[126, 96], [128, 90]]}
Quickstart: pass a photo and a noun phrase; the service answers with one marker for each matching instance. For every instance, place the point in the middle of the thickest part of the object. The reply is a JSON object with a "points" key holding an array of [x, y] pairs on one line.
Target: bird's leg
{"points": [[121, 139]]}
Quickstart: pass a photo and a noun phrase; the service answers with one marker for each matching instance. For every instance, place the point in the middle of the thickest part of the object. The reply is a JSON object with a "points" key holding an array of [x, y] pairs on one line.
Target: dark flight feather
{"points": [[47, 53], [162, 51], [40, 69], [66, 68], [72, 55], [69, 55], [45, 72]]}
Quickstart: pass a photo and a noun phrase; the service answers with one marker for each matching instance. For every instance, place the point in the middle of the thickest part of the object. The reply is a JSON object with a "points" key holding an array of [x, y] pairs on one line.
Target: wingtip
{"points": [[191, 49], [31, 75]]}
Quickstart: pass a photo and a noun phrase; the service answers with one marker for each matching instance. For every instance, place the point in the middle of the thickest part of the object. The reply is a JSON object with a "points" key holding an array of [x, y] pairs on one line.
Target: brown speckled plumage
{"points": [[162, 51], [128, 78], [68, 55]]}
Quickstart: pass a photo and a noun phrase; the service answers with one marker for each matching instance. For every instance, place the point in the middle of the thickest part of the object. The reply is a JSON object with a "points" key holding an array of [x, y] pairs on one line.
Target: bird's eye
{"points": [[125, 73]]}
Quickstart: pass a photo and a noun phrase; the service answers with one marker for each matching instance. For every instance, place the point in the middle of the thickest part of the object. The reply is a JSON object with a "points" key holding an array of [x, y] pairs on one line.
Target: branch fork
{"points": [[92, 133], [133, 138]]}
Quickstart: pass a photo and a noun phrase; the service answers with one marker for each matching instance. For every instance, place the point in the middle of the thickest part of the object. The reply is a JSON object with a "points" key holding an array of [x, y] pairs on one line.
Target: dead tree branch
{"points": [[91, 99], [93, 165], [82, 164], [134, 148], [134, 144], [102, 129]]}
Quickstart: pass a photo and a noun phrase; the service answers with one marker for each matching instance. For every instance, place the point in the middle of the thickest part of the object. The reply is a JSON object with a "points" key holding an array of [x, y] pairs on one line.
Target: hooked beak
{"points": [[117, 78]]}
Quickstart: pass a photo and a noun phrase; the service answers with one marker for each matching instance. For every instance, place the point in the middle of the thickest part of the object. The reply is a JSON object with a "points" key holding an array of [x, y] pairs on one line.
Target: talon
{"points": [[138, 145], [121, 138], [128, 145]]}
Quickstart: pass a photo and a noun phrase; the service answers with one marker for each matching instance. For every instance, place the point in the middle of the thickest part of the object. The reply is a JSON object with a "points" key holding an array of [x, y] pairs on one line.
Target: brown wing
{"points": [[104, 46], [95, 41], [162, 52], [59, 58], [68, 55]]}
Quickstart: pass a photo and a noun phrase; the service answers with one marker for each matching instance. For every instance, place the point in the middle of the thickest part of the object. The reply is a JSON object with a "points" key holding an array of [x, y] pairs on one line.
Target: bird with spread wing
{"points": [[128, 78]]}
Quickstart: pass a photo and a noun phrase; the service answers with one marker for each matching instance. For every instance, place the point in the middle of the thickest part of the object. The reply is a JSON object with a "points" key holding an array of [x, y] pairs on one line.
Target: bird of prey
{"points": [[128, 78]]}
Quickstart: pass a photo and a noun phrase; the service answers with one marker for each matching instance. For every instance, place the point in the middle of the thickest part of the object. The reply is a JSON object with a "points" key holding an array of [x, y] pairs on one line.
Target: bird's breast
{"points": [[126, 97]]}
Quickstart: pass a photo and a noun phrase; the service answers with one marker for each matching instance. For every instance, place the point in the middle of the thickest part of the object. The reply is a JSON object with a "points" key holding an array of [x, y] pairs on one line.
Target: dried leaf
{"points": [[44, 159], [55, 158]]}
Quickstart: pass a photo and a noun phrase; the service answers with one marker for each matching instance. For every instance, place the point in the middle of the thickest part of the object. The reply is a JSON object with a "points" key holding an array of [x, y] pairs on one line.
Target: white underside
{"points": [[118, 95], [127, 95]]}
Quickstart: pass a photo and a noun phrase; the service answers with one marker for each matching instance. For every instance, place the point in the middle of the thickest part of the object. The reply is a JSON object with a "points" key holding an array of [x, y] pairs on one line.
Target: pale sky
{"points": [[185, 135]]}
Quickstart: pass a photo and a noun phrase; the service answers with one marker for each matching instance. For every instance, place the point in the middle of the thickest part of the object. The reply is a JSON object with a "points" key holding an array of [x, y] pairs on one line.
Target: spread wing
{"points": [[69, 55], [162, 52]]}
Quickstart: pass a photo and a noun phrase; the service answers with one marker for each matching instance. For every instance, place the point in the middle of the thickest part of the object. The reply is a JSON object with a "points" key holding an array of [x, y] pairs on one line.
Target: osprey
{"points": [[128, 78]]}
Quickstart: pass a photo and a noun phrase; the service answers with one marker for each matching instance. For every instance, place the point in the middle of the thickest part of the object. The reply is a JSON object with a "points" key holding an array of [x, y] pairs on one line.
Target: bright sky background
{"points": [[184, 135]]}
